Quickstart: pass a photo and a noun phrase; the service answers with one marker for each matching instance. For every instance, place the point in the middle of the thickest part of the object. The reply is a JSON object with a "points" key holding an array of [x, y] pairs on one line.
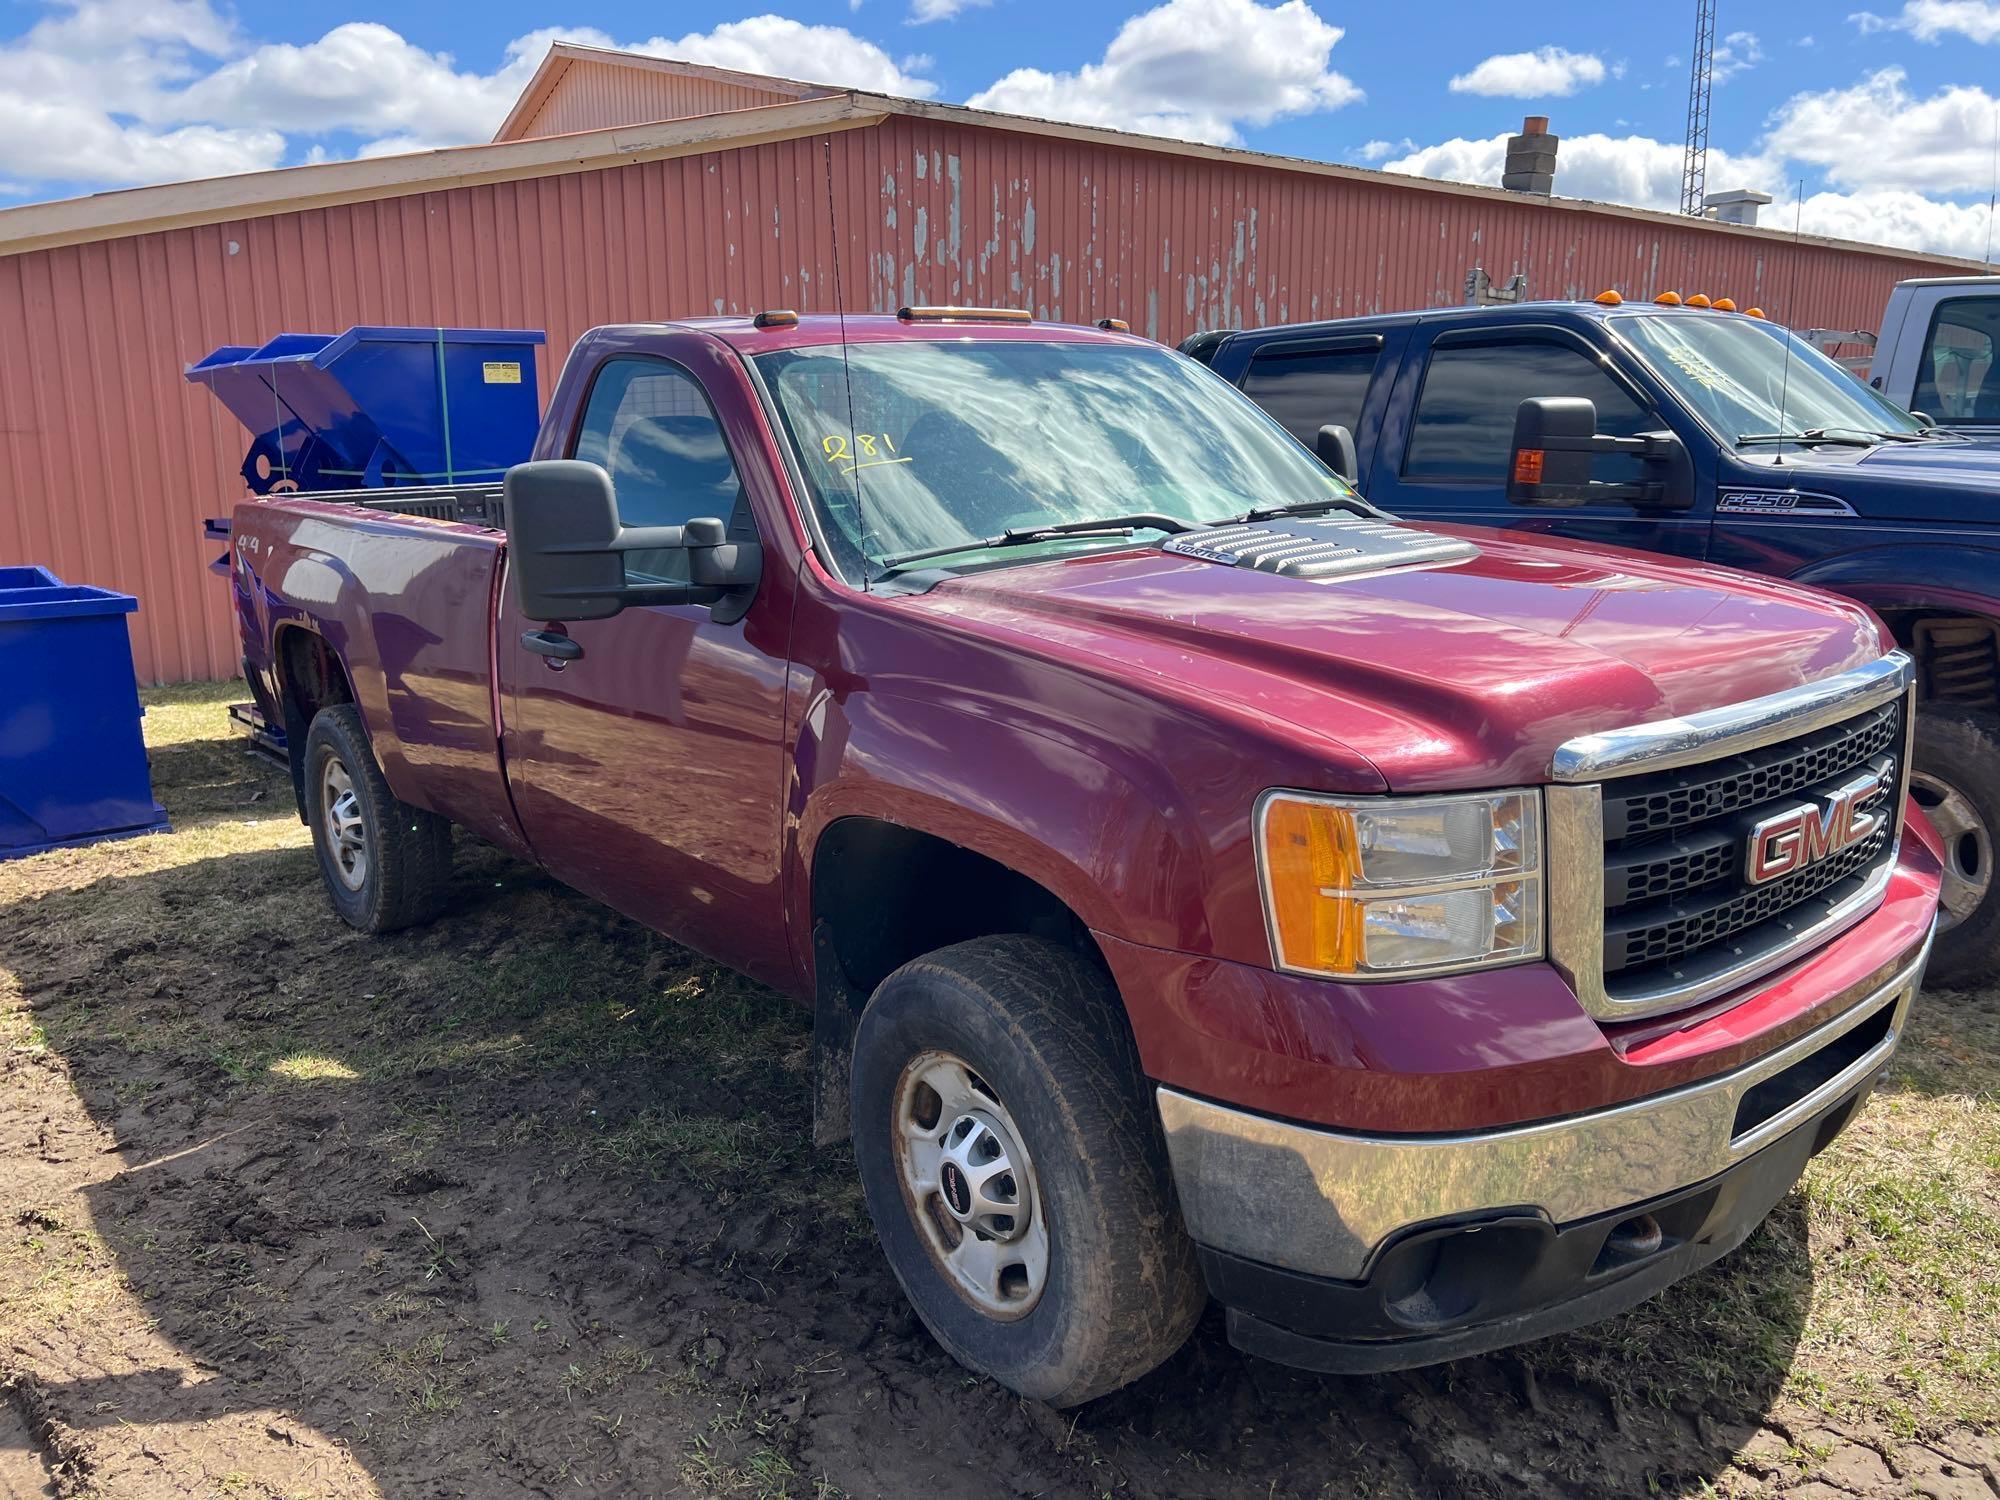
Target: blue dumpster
{"points": [[72, 763], [377, 407]]}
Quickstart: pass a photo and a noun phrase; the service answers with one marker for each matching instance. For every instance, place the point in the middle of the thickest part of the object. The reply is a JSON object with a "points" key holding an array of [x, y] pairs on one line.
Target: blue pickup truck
{"points": [[1707, 434]]}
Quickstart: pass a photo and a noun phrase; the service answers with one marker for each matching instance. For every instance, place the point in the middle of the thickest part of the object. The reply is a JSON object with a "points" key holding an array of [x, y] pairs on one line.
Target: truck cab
{"points": [[1934, 353], [1734, 442]]}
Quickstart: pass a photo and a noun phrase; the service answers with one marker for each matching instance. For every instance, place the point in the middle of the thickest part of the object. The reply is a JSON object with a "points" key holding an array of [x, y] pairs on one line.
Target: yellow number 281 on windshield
{"points": [[868, 449]]}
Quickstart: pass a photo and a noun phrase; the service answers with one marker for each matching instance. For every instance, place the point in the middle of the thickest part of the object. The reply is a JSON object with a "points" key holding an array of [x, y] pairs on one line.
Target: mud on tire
{"points": [[1043, 1064], [386, 864]]}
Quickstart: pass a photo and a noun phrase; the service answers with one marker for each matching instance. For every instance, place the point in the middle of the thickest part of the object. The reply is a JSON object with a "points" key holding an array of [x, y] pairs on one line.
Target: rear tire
{"points": [[1054, 1259], [1956, 780], [386, 864]]}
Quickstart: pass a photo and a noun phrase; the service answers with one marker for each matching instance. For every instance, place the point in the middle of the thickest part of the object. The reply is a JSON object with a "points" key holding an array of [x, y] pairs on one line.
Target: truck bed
{"points": [[402, 585]]}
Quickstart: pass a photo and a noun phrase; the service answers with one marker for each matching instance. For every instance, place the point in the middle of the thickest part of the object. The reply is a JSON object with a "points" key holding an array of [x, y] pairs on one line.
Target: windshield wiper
{"points": [[1843, 437], [1307, 508], [1016, 536]]}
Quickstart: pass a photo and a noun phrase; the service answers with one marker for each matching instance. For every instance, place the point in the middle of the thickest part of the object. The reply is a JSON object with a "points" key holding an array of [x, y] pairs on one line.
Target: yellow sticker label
{"points": [[502, 372]]}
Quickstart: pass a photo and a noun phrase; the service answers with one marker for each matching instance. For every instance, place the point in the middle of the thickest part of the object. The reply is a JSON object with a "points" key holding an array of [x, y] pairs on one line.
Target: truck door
{"points": [[648, 771], [1447, 436]]}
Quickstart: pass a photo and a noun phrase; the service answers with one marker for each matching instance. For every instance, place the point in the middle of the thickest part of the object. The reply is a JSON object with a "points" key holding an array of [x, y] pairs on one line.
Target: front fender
{"points": [[1105, 831], [1926, 576]]}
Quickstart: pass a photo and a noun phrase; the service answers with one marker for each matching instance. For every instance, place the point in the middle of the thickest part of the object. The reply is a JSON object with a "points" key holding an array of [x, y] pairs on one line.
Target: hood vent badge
{"points": [[1320, 550]]}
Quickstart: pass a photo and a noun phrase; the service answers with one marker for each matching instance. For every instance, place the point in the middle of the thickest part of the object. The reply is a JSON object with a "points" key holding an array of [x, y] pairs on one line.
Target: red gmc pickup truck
{"points": [[1419, 940]]}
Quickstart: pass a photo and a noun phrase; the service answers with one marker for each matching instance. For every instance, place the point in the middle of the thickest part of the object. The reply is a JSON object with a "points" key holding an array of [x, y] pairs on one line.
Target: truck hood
{"points": [[1460, 675], [1949, 479]]}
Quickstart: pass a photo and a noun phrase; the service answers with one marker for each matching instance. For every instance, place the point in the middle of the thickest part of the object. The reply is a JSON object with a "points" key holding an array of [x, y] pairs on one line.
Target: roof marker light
{"points": [[1114, 325], [777, 317], [1669, 299], [964, 315], [1699, 299], [1607, 298], [1753, 312], [1725, 304]]}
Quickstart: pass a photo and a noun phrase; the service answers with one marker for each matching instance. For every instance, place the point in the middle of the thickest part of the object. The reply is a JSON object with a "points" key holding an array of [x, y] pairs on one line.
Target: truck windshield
{"points": [[963, 442], [1731, 371]]}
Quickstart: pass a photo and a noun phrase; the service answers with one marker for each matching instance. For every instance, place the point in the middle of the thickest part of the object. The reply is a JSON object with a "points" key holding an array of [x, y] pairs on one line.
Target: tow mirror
{"points": [[1556, 442], [1335, 447], [569, 549]]}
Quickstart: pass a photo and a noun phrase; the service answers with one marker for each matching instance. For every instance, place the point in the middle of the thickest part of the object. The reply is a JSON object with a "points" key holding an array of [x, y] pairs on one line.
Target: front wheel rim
{"points": [[341, 821], [1968, 847], [969, 1186]]}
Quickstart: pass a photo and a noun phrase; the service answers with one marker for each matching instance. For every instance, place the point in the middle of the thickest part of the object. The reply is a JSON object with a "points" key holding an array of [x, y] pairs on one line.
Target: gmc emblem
{"points": [[1800, 836]]}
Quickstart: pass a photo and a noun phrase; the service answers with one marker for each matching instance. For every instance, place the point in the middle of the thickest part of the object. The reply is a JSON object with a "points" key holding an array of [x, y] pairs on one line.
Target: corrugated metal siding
{"points": [[591, 95], [110, 459]]}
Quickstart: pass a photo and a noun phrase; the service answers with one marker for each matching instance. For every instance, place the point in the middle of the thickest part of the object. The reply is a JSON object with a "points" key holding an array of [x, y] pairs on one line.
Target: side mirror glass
{"points": [[1335, 446], [568, 549]]}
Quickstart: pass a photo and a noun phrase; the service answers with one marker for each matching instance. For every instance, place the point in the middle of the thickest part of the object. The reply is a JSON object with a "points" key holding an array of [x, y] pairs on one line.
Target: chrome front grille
{"points": [[1652, 907], [1669, 801]]}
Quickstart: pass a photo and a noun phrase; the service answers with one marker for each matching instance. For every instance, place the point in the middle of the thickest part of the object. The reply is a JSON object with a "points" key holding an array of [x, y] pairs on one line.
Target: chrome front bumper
{"points": [[1324, 1202]]}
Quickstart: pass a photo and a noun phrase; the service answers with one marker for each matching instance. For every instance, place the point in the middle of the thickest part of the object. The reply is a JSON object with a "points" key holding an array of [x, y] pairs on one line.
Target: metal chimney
{"points": [[1737, 206], [1531, 158]]}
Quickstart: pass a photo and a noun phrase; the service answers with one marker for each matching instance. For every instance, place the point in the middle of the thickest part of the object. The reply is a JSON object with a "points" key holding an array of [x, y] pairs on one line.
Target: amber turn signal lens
{"points": [[1528, 466], [1310, 849]]}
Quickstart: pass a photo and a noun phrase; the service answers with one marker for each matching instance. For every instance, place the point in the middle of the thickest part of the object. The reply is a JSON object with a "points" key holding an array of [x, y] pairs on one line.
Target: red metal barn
{"points": [[625, 188]]}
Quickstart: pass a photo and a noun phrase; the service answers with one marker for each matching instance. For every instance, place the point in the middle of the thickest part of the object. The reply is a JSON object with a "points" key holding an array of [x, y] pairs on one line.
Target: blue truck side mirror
{"points": [[569, 548], [1555, 442]]}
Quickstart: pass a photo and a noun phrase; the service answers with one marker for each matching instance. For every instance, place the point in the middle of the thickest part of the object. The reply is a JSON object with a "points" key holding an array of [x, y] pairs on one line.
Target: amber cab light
{"points": [[964, 315], [1699, 299], [1608, 298], [1669, 299], [1725, 304], [777, 317]]}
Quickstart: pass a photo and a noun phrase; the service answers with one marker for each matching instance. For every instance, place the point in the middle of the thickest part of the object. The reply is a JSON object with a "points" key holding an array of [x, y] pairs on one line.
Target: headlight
{"points": [[1394, 887]]}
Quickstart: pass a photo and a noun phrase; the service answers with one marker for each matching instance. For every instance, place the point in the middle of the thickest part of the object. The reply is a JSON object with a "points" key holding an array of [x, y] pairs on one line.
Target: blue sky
{"points": [[1888, 116]]}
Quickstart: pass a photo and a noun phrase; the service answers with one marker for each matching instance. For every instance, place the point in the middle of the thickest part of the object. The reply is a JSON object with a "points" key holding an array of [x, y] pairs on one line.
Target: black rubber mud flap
{"points": [[836, 1004]]}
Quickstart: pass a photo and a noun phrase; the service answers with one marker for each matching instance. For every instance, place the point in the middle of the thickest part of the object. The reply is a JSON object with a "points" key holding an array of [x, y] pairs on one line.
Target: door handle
{"points": [[551, 644]]}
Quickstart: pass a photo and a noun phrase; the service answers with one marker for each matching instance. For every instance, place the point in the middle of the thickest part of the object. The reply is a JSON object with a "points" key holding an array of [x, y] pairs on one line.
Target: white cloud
{"points": [[1877, 134], [1546, 73], [934, 10], [1194, 69], [1633, 169], [195, 98], [824, 54], [53, 75], [1740, 51], [1931, 20], [1646, 173], [1382, 150]]}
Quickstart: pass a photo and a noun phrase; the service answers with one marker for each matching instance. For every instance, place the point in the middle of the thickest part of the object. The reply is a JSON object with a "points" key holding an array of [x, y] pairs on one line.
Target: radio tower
{"points": [[1694, 166]]}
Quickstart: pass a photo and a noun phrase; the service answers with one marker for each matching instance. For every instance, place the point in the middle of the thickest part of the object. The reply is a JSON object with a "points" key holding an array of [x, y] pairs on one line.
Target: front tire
{"points": [[1956, 780], [386, 864], [1013, 1165]]}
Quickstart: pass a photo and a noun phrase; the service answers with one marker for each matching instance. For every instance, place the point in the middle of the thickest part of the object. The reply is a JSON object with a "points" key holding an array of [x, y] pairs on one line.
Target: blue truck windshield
{"points": [[963, 441], [1732, 372]]}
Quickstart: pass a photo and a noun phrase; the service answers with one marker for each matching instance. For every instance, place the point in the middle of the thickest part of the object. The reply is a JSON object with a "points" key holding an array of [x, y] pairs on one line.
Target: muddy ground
{"points": [[524, 1204]]}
